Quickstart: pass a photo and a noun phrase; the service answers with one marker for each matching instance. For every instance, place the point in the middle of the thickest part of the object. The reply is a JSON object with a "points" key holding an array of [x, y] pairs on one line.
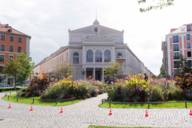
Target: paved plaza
{"points": [[87, 112]]}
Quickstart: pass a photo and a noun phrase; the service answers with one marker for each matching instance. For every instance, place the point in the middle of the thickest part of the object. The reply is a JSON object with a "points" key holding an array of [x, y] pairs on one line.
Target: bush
{"points": [[156, 93], [68, 89], [175, 93], [136, 89], [36, 88]]}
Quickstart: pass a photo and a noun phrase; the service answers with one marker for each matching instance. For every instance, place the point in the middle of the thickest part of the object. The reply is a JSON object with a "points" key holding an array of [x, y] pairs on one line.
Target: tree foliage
{"points": [[112, 70], [162, 71], [20, 68], [63, 71]]}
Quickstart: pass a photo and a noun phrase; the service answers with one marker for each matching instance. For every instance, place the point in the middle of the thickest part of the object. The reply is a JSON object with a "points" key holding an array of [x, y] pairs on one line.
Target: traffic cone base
{"points": [[31, 109], [110, 112], [146, 113], [190, 112], [61, 110], [9, 106]]}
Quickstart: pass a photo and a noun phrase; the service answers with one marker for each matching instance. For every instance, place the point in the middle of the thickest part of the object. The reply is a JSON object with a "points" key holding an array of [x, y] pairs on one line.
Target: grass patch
{"points": [[37, 101], [94, 126], [168, 104]]}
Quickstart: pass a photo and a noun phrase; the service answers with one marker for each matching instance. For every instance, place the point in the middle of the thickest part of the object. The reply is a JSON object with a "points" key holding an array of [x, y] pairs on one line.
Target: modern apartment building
{"points": [[12, 42], [178, 42]]}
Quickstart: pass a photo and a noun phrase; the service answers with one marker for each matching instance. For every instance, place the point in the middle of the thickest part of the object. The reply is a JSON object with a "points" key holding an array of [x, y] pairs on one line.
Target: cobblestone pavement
{"points": [[87, 112]]}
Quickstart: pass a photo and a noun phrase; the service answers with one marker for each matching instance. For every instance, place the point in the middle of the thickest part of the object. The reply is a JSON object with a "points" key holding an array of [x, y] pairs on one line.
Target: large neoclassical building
{"points": [[90, 50]]}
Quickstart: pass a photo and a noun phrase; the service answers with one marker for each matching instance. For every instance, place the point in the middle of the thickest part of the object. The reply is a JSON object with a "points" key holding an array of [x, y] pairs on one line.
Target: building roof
{"points": [[89, 29], [56, 53], [7, 28]]}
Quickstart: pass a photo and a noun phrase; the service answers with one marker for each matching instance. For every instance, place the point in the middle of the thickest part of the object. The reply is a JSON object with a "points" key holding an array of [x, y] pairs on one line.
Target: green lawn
{"points": [[37, 101], [93, 126], [169, 104]]}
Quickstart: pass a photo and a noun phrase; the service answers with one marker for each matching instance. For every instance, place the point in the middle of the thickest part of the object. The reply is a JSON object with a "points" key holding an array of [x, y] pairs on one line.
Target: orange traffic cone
{"points": [[31, 108], [110, 112], [190, 113], [146, 113], [9, 106], [61, 110]]}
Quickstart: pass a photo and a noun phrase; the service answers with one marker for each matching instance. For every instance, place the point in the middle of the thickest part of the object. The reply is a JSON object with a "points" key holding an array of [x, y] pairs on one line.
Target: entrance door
{"points": [[89, 73], [98, 74]]}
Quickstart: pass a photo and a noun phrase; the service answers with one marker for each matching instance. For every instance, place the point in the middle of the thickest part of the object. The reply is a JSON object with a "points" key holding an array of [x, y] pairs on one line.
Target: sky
{"points": [[48, 21]]}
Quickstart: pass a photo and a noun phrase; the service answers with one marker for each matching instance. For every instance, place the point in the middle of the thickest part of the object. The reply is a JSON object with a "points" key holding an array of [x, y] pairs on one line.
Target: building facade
{"points": [[12, 42], [90, 50], [177, 44]]}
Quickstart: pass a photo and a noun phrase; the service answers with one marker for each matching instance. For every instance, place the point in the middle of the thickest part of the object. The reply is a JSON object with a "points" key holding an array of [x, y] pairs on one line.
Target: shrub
{"points": [[156, 93], [59, 90], [68, 89], [133, 89], [175, 92], [36, 88], [136, 89]]}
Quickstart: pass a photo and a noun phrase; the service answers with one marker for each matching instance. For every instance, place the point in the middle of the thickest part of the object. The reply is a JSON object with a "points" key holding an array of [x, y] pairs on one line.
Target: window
{"points": [[2, 48], [11, 48], [188, 36], [175, 47], [188, 45], [89, 56], [98, 56], [188, 28], [96, 29], [119, 55], [11, 37], [189, 63], [1, 58], [175, 38], [2, 36], [189, 54], [107, 56], [75, 58], [19, 39], [10, 57], [176, 64], [176, 55], [19, 49]]}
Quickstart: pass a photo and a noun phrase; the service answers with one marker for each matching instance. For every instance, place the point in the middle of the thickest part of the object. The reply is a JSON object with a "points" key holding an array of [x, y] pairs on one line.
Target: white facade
{"points": [[93, 48]]}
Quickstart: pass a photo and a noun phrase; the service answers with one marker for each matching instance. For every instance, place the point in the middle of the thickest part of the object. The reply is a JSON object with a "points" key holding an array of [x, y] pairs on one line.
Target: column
{"points": [[102, 74], [94, 73]]}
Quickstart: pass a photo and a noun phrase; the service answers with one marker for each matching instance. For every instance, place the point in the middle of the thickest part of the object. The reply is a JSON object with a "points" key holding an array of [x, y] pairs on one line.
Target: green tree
{"points": [[20, 68], [112, 70], [162, 71], [63, 71]]}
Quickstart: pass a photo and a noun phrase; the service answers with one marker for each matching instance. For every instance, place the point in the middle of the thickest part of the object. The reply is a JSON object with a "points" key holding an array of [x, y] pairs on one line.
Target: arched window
{"points": [[107, 56], [89, 55], [75, 58], [98, 56]]}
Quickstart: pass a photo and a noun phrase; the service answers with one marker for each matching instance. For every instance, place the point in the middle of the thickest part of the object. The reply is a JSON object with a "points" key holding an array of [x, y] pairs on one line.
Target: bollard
{"points": [[33, 100], [17, 98], [148, 106], [8, 97], [185, 104]]}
